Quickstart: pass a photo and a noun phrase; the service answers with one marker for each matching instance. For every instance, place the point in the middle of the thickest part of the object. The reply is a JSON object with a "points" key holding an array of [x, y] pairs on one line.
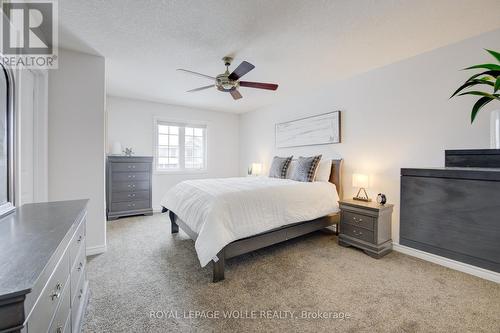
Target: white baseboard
{"points": [[93, 250], [453, 264]]}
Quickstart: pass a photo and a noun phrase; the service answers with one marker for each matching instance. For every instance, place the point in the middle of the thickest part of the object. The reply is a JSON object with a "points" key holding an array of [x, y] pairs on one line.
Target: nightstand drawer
{"points": [[358, 220], [359, 233]]}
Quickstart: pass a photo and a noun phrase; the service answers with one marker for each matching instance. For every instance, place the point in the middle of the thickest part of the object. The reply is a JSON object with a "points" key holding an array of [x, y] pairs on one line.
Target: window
{"points": [[180, 147]]}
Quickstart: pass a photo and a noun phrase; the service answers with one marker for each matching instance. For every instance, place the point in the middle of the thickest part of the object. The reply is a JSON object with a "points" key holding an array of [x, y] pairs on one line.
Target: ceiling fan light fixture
{"points": [[230, 82]]}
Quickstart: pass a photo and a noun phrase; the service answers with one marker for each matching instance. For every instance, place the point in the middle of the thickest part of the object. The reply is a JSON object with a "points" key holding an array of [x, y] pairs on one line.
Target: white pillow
{"points": [[323, 171]]}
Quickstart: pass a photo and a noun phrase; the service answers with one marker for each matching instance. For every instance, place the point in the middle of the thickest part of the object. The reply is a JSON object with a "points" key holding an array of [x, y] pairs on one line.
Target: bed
{"points": [[229, 217]]}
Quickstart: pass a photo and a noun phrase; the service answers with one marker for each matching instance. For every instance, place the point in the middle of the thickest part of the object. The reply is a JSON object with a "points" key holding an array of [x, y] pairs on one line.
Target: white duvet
{"points": [[223, 210]]}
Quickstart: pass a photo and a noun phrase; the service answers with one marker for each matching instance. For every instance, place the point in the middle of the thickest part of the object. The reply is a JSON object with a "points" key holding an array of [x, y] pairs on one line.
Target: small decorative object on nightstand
{"points": [[366, 225], [255, 169], [361, 181], [128, 152]]}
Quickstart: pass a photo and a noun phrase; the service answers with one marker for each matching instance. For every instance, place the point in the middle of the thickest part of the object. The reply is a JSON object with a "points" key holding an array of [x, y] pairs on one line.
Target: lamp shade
{"points": [[116, 148], [256, 169], [360, 180]]}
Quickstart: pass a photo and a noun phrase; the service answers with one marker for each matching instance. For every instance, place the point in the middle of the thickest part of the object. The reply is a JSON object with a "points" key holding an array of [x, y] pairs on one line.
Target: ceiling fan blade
{"points": [[259, 85], [202, 88], [236, 94], [241, 70], [196, 73]]}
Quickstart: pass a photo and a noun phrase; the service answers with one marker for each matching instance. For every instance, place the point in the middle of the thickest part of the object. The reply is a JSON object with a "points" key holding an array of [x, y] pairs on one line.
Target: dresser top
{"points": [[371, 205], [471, 173], [130, 159], [29, 237]]}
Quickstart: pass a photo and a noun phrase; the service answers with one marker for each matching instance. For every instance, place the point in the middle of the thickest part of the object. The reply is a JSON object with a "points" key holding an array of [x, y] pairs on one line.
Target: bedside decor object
{"points": [[128, 152], [116, 149], [488, 78], [128, 186], [255, 169], [366, 225], [361, 181], [315, 130], [381, 199]]}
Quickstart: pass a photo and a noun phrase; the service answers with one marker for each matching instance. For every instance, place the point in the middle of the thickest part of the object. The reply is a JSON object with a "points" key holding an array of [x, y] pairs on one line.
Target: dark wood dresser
{"points": [[454, 212], [128, 186], [43, 285]]}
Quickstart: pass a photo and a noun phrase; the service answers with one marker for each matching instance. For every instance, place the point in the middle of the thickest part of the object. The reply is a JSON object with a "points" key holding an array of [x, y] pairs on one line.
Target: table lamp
{"points": [[361, 181]]}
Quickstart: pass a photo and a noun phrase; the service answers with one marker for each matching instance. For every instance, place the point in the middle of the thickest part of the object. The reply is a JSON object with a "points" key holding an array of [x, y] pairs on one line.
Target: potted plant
{"points": [[486, 86]]}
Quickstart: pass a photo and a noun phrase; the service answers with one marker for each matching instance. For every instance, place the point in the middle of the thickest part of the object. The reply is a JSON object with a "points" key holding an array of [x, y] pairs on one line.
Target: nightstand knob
{"points": [[357, 220], [358, 233]]}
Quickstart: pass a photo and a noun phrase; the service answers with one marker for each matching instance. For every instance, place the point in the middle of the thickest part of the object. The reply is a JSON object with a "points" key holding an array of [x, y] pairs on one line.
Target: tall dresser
{"points": [[43, 285], [128, 186]]}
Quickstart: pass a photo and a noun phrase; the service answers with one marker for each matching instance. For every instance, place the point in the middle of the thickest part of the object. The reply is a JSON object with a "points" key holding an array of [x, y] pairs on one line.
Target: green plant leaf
{"points": [[488, 74], [493, 67], [477, 106], [480, 93], [494, 53], [497, 85], [472, 83]]}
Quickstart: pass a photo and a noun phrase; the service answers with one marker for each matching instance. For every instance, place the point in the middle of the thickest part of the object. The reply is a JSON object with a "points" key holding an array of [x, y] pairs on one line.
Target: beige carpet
{"points": [[146, 269]]}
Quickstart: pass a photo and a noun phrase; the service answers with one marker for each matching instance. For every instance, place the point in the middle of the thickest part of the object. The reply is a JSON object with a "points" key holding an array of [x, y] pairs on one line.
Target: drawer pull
{"points": [[131, 205], [131, 186], [357, 220], [56, 292], [131, 166], [131, 176], [79, 239], [357, 233], [81, 293], [59, 329], [131, 195], [80, 267]]}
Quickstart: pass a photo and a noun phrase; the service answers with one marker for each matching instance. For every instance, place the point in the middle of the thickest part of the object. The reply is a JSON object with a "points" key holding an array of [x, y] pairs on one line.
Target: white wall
{"points": [[393, 117], [77, 138], [130, 122]]}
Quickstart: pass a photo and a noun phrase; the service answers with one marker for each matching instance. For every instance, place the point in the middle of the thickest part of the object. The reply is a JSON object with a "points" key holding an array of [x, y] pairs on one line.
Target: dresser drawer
{"points": [[130, 176], [76, 305], [59, 321], [76, 243], [130, 186], [67, 326], [77, 272], [358, 220], [124, 206], [130, 196], [50, 297], [355, 232], [126, 167]]}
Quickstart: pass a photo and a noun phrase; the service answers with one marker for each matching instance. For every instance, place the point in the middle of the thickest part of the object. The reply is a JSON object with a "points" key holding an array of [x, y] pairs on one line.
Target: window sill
{"points": [[180, 172]]}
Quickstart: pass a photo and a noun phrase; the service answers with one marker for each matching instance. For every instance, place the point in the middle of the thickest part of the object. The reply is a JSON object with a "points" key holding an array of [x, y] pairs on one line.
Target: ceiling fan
{"points": [[229, 82]]}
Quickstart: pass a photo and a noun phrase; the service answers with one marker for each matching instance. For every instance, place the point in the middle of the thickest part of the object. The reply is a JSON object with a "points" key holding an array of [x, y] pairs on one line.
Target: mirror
{"points": [[6, 142]]}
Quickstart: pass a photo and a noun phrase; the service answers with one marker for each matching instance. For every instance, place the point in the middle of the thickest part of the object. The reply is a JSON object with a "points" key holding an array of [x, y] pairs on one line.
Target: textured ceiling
{"points": [[299, 44]]}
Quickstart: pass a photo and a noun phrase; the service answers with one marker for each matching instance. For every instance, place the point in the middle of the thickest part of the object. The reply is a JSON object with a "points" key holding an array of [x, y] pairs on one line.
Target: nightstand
{"points": [[366, 225]]}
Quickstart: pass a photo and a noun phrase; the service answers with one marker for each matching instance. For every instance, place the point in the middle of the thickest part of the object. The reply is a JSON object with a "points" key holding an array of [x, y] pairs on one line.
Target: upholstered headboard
{"points": [[336, 176]]}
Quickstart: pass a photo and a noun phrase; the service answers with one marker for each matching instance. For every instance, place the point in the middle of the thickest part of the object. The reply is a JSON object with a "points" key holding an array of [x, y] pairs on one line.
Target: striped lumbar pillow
{"points": [[279, 166], [306, 168]]}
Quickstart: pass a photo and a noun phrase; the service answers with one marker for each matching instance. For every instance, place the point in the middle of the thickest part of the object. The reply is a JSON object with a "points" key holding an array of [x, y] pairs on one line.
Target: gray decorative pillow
{"points": [[306, 168], [279, 166]]}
